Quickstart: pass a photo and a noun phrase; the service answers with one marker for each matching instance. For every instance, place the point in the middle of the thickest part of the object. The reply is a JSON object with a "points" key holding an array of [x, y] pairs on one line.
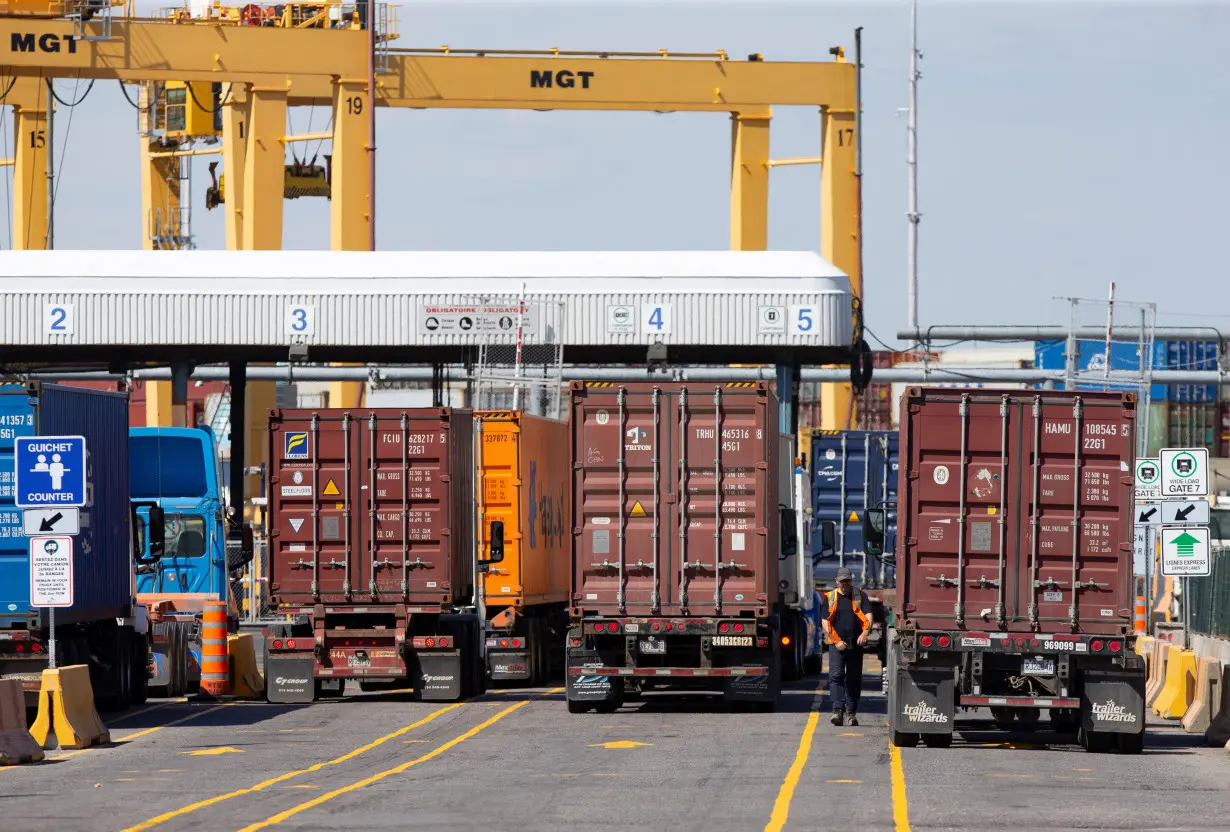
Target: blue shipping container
{"points": [[852, 471], [102, 552], [1192, 355], [1091, 356]]}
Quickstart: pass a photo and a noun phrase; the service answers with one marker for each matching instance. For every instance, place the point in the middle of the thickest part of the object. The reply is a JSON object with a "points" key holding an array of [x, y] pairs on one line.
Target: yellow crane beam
{"points": [[161, 50]]}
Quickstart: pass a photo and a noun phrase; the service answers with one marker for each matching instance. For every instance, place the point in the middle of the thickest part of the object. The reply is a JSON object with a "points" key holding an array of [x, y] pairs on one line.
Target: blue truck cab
{"points": [[177, 469]]}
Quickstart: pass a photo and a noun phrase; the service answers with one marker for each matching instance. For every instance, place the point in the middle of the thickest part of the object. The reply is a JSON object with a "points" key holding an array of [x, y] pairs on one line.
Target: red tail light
{"points": [[926, 641], [21, 648], [723, 627], [576, 642], [739, 628], [1033, 643], [38, 648], [1115, 646], [945, 641], [503, 642], [290, 645], [1020, 642], [277, 644], [1096, 644]]}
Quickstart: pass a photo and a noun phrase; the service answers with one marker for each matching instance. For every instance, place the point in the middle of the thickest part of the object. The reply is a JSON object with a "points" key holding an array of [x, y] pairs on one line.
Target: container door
{"points": [[16, 420], [402, 522], [500, 499]]}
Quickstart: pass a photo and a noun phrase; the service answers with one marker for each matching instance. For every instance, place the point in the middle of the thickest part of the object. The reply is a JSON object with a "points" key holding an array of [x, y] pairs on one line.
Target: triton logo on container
{"points": [[636, 439], [296, 446]]}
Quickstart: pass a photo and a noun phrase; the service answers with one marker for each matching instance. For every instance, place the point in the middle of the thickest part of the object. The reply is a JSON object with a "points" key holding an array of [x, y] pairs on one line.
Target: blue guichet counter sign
{"points": [[49, 471]]}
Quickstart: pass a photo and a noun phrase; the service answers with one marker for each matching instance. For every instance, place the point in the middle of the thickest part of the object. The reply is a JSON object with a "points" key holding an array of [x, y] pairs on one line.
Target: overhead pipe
{"points": [[908, 375], [931, 334]]}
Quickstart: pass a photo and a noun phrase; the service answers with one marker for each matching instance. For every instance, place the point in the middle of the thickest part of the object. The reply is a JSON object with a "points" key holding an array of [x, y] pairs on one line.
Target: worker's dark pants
{"points": [[845, 677]]}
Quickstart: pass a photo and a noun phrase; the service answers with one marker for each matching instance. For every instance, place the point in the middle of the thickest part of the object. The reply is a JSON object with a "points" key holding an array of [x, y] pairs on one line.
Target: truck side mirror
{"points": [[790, 537], [157, 532], [874, 520], [828, 538], [496, 554]]}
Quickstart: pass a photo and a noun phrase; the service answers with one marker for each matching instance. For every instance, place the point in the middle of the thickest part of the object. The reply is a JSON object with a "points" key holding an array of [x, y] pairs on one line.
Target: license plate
{"points": [[653, 646], [732, 641], [1038, 667], [355, 661]]}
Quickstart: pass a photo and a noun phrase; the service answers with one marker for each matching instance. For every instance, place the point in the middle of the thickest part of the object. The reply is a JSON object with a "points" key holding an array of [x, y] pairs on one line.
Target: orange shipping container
{"points": [[523, 473]]}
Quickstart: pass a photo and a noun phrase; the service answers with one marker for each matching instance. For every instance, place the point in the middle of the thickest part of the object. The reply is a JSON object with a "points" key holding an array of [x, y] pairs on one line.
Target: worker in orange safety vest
{"points": [[846, 628]]}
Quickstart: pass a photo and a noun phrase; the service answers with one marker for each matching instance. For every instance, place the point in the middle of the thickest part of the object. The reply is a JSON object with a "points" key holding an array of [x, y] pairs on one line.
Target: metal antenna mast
{"points": [[911, 160]]}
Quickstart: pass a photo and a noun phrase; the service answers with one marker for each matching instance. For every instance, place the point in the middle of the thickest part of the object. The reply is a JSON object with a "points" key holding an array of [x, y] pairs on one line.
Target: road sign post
{"points": [[51, 580]]}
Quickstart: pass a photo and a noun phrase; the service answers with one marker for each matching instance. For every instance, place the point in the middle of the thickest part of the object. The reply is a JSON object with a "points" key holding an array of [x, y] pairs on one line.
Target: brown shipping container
{"points": [[405, 479], [649, 443], [1084, 438]]}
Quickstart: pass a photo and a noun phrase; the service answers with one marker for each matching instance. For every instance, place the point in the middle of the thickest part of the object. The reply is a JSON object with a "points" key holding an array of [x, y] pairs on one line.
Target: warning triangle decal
{"points": [[637, 510], [330, 489], [854, 517], [296, 523]]}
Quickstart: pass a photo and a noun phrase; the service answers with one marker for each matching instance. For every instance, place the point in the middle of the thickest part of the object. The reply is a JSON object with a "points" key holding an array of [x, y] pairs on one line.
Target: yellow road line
{"points": [[172, 723], [282, 778], [781, 808], [375, 778], [901, 814]]}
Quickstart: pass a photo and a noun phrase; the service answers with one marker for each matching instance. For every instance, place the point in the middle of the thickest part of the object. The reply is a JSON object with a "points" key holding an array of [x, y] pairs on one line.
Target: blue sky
{"points": [[1061, 146]]}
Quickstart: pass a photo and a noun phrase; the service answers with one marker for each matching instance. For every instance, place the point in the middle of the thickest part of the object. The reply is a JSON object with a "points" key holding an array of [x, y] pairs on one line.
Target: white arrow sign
{"points": [[1192, 512], [51, 521]]}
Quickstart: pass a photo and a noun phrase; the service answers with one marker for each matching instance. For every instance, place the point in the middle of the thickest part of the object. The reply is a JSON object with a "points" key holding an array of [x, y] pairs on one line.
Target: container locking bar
{"points": [[315, 507], [683, 502], [959, 608]]}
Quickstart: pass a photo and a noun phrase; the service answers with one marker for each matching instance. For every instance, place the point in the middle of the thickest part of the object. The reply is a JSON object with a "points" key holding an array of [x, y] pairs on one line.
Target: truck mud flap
{"points": [[1113, 701], [592, 690], [763, 687], [920, 700], [290, 680], [508, 666], [436, 676]]}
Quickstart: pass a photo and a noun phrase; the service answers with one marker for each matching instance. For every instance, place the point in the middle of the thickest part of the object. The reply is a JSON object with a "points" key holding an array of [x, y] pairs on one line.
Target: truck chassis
{"points": [[1091, 684]]}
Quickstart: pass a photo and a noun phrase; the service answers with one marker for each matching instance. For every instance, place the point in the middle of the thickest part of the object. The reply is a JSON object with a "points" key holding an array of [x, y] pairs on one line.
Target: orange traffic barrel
{"points": [[1141, 622], [215, 665]]}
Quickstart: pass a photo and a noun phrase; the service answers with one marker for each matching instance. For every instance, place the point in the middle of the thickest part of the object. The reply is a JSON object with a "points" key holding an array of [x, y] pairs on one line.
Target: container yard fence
{"points": [[1207, 606]]}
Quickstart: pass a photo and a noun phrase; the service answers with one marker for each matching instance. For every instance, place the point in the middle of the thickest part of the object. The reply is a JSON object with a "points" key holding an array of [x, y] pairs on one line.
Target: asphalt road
{"points": [[516, 760]]}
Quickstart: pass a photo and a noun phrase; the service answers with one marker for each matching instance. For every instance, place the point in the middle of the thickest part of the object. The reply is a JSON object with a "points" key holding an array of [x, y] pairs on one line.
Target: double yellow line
{"points": [[282, 778]]}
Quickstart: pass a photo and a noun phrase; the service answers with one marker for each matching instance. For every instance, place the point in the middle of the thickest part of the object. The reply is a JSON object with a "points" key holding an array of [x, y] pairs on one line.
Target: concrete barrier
{"points": [[245, 677], [1218, 734], [1180, 687], [66, 714], [1157, 670], [16, 744], [1208, 694]]}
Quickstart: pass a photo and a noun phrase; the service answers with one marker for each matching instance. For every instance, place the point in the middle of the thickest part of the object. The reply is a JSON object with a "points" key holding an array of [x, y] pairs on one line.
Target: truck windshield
{"points": [[167, 466], [185, 535]]}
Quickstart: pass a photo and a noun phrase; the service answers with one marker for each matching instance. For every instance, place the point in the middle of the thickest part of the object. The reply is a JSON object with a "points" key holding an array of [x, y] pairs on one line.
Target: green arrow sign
{"points": [[1185, 544]]}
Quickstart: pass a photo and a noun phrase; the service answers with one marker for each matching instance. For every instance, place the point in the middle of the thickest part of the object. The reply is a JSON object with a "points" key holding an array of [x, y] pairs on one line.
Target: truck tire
{"points": [[937, 740], [903, 740], [814, 665], [1131, 743]]}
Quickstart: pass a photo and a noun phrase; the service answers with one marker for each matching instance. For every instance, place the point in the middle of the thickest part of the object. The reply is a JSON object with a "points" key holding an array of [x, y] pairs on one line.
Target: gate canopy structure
{"points": [[127, 309]]}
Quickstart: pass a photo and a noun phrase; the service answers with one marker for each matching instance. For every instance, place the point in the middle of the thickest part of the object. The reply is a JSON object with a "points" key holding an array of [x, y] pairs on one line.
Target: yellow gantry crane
{"points": [[263, 66]]}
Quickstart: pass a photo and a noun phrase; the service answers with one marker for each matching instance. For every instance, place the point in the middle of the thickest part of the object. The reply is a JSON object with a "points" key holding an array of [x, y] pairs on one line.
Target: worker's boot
{"points": [[838, 717], [853, 720]]}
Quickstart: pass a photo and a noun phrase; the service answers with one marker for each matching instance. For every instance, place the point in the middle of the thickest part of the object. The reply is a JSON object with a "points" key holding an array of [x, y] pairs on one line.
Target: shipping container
{"points": [[1194, 425], [638, 446], [852, 471], [371, 550], [1223, 446], [102, 550], [683, 514], [1091, 356], [1014, 564], [371, 506], [524, 474], [102, 628]]}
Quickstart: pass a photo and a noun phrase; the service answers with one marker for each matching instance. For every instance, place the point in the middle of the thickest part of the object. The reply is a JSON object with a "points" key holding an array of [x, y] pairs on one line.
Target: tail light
{"points": [[1115, 646], [277, 644], [1033, 643], [290, 645], [431, 642], [926, 641], [739, 627], [21, 648], [786, 640], [724, 627], [945, 641], [38, 648], [576, 642], [1020, 642], [1096, 644]]}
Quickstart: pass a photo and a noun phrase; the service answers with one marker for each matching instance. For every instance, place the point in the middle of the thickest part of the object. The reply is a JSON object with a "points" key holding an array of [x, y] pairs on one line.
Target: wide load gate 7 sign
{"points": [[1185, 472]]}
